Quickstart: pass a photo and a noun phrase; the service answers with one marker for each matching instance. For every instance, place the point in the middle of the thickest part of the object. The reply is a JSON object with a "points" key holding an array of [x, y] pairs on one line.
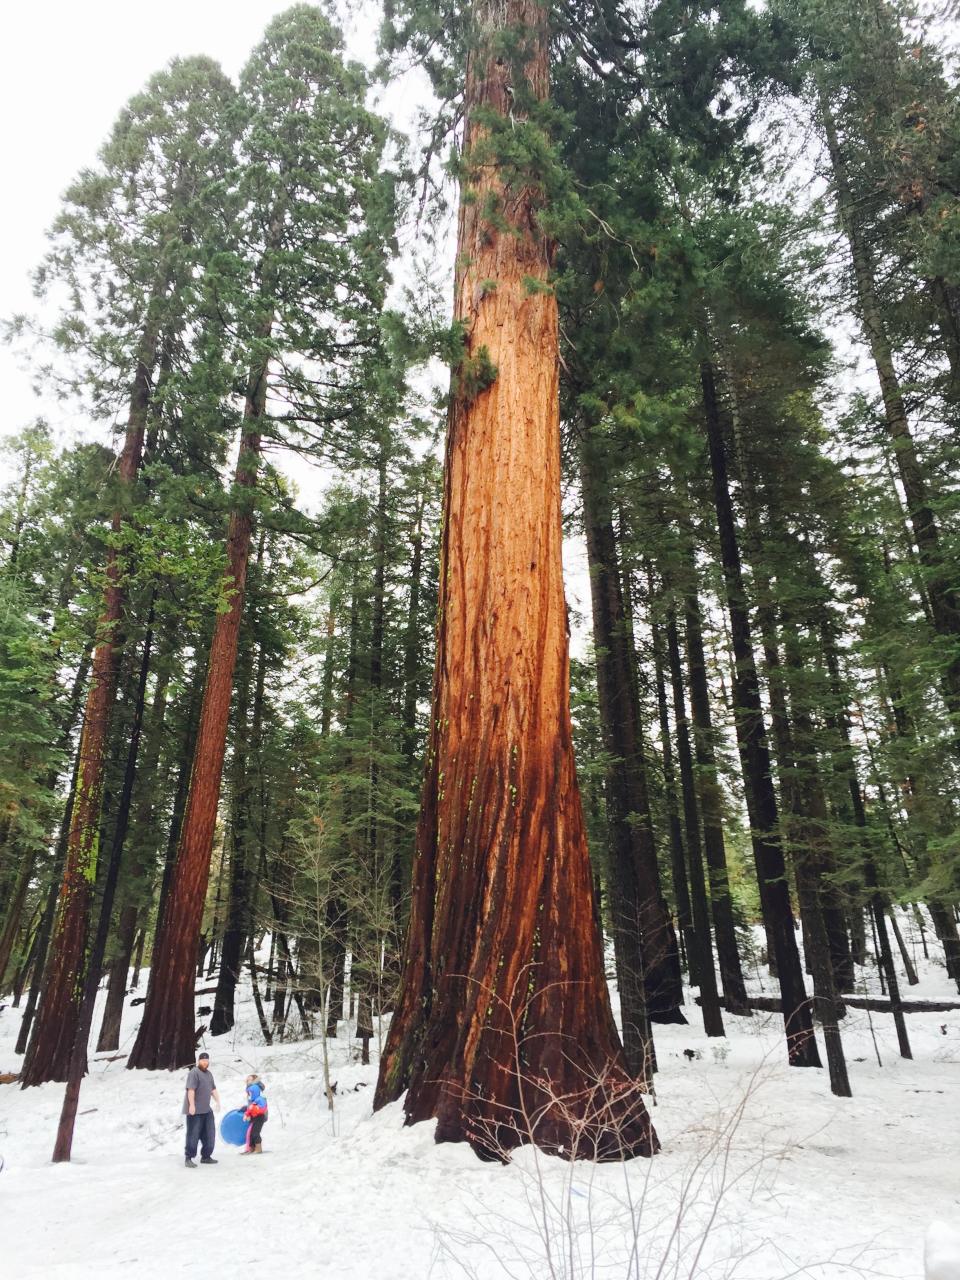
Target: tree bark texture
{"points": [[504, 1030]]}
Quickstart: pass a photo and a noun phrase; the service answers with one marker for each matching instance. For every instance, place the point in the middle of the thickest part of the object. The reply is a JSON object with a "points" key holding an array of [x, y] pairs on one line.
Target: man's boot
{"points": [[207, 1160], [188, 1163]]}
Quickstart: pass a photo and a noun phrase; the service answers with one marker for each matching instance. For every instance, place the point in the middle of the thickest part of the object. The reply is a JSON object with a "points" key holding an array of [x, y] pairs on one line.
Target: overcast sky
{"points": [[70, 66]]}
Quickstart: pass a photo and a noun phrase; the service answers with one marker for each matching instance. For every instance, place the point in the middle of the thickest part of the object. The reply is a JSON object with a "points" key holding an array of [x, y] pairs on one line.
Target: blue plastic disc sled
{"points": [[233, 1128]]}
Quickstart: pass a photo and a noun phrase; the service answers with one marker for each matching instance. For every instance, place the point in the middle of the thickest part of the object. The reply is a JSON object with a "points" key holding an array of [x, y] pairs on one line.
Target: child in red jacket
{"points": [[255, 1115]]}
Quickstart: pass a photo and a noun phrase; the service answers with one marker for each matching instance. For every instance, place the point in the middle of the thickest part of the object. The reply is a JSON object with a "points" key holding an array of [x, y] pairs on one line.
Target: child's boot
{"points": [[257, 1149]]}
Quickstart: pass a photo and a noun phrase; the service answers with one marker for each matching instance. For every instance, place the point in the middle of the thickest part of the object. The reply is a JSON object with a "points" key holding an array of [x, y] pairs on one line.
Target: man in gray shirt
{"points": [[201, 1088]]}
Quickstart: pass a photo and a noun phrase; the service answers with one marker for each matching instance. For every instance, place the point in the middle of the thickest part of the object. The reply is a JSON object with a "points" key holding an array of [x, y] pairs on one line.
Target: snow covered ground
{"points": [[763, 1175]]}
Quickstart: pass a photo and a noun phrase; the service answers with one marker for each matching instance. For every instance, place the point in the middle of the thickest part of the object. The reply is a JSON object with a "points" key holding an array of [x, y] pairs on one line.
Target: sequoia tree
{"points": [[504, 1032], [309, 153], [130, 288]]}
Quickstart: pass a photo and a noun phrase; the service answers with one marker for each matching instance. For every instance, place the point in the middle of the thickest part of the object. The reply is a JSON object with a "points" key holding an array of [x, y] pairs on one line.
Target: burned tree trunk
{"points": [[504, 1010]]}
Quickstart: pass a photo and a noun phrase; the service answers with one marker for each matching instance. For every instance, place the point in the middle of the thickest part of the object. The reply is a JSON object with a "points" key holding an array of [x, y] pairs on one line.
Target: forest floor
{"points": [[763, 1174]]}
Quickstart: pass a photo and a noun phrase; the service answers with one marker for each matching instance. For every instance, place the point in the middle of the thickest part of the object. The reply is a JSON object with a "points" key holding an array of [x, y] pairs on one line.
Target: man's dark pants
{"points": [[200, 1128]]}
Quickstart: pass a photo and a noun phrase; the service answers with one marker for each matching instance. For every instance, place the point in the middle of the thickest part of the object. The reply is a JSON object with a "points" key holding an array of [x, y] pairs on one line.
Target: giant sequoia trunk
{"points": [[504, 1028], [167, 1033], [755, 756], [48, 1054]]}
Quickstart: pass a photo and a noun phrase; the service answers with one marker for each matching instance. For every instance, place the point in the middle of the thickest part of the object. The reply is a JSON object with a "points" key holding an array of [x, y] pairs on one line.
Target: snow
{"points": [[763, 1175], [941, 1252]]}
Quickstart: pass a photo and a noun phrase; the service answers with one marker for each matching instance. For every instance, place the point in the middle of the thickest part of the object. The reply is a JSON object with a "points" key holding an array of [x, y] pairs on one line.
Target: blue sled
{"points": [[233, 1128]]}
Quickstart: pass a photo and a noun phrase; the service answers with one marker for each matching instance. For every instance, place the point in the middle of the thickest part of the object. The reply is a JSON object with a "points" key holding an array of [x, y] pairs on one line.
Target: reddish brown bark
{"points": [[48, 1054], [167, 1033], [504, 1025]]}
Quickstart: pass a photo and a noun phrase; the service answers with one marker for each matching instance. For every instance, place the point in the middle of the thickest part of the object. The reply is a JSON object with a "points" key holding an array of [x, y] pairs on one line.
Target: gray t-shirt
{"points": [[203, 1084]]}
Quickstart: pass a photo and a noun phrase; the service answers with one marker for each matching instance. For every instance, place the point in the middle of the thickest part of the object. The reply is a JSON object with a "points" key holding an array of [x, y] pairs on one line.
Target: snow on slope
{"points": [[764, 1175]]}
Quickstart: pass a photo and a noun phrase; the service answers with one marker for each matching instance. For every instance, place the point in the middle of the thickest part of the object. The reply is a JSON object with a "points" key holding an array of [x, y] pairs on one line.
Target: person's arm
{"points": [[216, 1097], [191, 1102]]}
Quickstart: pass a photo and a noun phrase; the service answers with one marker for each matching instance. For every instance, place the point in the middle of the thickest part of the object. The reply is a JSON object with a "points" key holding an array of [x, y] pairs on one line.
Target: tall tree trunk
{"points": [[711, 810], [48, 1055], [77, 1064], [119, 971], [167, 1033], [709, 998], [138, 880], [681, 886], [505, 1009], [648, 944], [755, 756], [810, 828], [237, 930]]}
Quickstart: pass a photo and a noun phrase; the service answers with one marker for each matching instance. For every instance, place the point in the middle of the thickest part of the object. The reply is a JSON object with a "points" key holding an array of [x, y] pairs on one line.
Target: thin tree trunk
{"points": [[237, 930], [711, 810], [119, 971], [648, 945], [908, 965], [504, 1005], [755, 757], [709, 997], [258, 1002], [335, 927], [138, 958], [681, 886]]}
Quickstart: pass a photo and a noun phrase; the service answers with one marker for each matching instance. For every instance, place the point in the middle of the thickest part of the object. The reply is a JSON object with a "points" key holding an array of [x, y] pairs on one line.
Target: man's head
{"points": [[203, 1061]]}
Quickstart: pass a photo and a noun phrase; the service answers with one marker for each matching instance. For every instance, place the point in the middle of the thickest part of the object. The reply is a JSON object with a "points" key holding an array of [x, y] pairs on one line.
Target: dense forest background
{"points": [[215, 698]]}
